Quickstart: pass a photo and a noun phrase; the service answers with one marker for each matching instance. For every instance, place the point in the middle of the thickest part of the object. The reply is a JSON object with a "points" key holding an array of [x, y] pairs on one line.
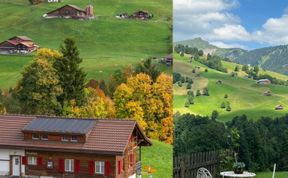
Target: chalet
{"points": [[279, 107], [71, 11], [53, 1], [142, 15], [18, 44], [40, 146], [263, 81], [169, 60], [268, 93]]}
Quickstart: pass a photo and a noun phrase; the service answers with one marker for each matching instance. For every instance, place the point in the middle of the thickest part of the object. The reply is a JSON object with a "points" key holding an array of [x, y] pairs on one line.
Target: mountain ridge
{"points": [[273, 58]]}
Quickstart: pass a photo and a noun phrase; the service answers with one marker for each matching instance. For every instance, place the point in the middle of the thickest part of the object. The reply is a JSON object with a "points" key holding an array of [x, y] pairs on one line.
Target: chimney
{"points": [[90, 11]]}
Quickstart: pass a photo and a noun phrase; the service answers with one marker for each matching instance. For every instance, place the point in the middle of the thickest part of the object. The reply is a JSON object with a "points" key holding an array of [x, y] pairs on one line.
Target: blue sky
{"points": [[247, 24]]}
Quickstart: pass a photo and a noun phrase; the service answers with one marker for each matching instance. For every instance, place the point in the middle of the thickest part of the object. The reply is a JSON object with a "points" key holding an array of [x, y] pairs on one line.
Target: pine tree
{"points": [[71, 76]]}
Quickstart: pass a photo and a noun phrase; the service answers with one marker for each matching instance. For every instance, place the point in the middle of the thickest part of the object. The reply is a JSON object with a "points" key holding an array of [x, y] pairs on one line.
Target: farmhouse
{"points": [[279, 107], [263, 81], [268, 93], [142, 15], [18, 44], [71, 11], [53, 1], [70, 147]]}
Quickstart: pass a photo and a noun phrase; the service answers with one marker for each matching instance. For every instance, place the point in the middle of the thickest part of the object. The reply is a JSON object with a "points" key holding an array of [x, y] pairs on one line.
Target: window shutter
{"points": [[91, 167], [61, 166], [107, 168], [77, 166], [39, 161], [24, 160], [120, 166]]}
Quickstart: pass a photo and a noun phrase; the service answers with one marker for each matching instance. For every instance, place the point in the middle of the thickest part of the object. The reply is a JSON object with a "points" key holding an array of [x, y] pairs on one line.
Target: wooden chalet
{"points": [[18, 44], [279, 107], [71, 11], [142, 15], [263, 82], [68, 147]]}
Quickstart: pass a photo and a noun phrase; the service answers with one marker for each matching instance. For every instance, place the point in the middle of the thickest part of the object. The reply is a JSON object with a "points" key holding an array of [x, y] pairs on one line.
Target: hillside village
{"points": [[232, 89]]}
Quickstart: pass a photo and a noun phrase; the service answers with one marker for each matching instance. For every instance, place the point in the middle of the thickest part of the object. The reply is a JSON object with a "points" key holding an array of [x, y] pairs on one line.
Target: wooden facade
{"points": [[71, 11], [99, 148]]}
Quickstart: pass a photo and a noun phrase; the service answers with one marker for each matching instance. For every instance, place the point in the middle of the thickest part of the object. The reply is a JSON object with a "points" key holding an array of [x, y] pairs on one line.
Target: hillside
{"points": [[244, 95], [105, 44], [270, 58], [159, 157]]}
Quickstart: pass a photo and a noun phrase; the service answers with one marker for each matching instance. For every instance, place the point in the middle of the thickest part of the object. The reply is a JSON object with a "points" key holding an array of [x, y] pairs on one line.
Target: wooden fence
{"points": [[186, 166]]}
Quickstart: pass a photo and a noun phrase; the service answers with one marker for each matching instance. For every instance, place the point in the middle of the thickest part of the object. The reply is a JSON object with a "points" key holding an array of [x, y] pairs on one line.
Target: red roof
{"points": [[106, 137]]}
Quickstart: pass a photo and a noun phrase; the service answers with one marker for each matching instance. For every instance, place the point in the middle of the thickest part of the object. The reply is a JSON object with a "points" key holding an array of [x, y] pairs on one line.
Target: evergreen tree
{"points": [[147, 67], [223, 105], [189, 86], [71, 76], [245, 68], [206, 92], [198, 93], [214, 115]]}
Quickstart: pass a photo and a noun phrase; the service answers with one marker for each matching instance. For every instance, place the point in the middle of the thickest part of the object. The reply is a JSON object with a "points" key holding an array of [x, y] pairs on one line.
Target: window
{"points": [[99, 167], [74, 139], [32, 160], [49, 164], [35, 136], [44, 137], [69, 165], [65, 138]]}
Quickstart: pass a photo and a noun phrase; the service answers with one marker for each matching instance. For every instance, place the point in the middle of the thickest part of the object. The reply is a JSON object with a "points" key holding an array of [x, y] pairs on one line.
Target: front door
{"points": [[16, 166]]}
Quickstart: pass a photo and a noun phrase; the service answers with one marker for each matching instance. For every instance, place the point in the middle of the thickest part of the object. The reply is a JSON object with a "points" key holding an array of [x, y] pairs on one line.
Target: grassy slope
{"points": [[159, 156], [244, 95], [105, 44], [269, 175]]}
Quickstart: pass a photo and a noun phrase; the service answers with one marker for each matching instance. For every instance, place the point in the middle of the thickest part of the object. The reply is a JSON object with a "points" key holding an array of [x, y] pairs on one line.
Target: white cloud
{"points": [[231, 33], [213, 21], [194, 18], [273, 32]]}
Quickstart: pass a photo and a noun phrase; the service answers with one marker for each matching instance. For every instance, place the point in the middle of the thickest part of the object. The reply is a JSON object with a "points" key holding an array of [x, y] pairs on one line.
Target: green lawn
{"points": [[244, 95], [159, 157], [269, 175], [105, 44]]}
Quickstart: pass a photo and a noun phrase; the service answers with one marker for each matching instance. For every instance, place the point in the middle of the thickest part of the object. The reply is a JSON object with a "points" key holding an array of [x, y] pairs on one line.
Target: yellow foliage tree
{"points": [[148, 102]]}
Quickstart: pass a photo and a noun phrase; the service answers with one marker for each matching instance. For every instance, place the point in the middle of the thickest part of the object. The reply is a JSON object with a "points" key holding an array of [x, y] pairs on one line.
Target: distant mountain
{"points": [[271, 58], [199, 43]]}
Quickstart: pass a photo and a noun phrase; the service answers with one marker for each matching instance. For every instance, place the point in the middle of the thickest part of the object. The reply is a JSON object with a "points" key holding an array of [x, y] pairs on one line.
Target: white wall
{"points": [[5, 157], [133, 176]]}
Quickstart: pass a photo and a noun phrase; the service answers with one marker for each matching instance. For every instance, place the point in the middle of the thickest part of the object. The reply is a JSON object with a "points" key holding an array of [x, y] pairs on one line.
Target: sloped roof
{"points": [[70, 5], [24, 38], [106, 136], [68, 126]]}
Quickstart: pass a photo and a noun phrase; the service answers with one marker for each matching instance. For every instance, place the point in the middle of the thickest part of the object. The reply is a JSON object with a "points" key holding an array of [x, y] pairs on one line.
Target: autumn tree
{"points": [[148, 68], [40, 86], [71, 76], [148, 102]]}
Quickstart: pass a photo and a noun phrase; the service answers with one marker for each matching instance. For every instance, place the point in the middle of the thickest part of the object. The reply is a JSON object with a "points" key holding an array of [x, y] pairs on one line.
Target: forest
{"points": [[259, 144]]}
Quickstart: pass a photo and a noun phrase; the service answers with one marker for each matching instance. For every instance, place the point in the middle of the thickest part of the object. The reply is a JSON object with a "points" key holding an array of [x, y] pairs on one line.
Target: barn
{"points": [[18, 44], [70, 147], [71, 12]]}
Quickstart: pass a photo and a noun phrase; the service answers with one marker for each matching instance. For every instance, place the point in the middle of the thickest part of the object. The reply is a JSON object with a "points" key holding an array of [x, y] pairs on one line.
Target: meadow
{"points": [[105, 44], [244, 95], [159, 158]]}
